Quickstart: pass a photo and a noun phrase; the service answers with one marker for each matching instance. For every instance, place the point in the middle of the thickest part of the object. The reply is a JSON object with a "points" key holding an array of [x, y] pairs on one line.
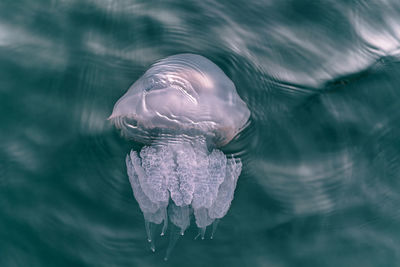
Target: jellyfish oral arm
{"points": [[172, 180]]}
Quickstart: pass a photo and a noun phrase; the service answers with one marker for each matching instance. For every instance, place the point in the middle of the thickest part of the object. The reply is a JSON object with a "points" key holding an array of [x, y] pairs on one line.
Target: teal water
{"points": [[321, 156]]}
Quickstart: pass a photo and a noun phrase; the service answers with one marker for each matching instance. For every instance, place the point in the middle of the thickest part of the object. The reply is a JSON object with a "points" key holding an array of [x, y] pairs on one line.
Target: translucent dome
{"points": [[181, 94]]}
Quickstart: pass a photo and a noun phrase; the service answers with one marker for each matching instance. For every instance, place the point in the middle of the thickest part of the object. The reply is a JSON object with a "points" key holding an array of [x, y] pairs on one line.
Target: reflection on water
{"points": [[321, 161]]}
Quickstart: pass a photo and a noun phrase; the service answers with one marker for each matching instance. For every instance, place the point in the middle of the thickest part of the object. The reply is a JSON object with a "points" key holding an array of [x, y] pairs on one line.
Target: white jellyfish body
{"points": [[182, 108]]}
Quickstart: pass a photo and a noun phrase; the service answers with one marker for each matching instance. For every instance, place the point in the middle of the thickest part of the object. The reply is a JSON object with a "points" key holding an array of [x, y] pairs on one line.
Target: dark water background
{"points": [[320, 183]]}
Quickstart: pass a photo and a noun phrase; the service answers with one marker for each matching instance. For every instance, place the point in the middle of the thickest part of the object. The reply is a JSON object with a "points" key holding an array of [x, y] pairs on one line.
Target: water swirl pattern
{"points": [[182, 109]]}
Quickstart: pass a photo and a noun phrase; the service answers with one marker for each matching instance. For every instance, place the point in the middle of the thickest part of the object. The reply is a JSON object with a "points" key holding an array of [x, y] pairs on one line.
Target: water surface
{"points": [[321, 157]]}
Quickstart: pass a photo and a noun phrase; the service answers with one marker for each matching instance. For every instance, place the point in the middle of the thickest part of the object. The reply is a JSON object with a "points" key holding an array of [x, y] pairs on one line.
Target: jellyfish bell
{"points": [[182, 94], [182, 109]]}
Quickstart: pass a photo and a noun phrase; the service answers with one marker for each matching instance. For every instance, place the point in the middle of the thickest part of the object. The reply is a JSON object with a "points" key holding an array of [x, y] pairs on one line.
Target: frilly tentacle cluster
{"points": [[177, 180]]}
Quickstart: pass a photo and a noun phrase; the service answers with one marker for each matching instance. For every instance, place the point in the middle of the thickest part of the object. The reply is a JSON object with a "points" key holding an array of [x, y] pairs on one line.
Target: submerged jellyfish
{"points": [[182, 108]]}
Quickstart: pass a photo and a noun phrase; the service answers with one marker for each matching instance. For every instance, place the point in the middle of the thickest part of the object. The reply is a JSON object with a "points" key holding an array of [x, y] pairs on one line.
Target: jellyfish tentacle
{"points": [[153, 212], [174, 236], [217, 169], [214, 228], [153, 182], [202, 218], [201, 194], [149, 236], [180, 216], [165, 226], [226, 190], [203, 232], [185, 158], [147, 226], [145, 204]]}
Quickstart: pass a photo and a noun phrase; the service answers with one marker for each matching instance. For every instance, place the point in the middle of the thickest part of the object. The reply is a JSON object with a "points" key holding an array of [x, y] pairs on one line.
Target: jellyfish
{"points": [[182, 109]]}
